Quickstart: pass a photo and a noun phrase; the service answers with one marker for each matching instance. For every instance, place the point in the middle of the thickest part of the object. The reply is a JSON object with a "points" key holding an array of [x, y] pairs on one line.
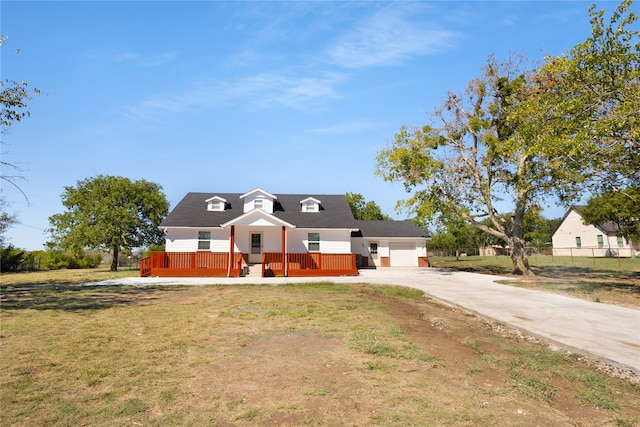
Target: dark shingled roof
{"points": [[192, 211], [388, 229]]}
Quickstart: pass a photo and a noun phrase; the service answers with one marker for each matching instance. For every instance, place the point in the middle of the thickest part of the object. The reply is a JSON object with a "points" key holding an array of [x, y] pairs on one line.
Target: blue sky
{"points": [[291, 97]]}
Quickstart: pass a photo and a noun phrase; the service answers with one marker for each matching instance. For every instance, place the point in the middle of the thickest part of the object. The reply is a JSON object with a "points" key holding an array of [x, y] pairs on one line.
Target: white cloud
{"points": [[347, 127], [391, 36], [129, 57], [256, 91]]}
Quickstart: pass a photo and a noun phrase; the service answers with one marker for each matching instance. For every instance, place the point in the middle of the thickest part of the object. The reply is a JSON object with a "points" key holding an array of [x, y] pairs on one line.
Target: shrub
{"points": [[57, 259], [11, 258]]}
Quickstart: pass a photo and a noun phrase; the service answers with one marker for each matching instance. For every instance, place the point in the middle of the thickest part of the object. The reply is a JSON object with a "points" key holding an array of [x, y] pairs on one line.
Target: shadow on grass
{"points": [[575, 272], [548, 271], [594, 286], [75, 297]]}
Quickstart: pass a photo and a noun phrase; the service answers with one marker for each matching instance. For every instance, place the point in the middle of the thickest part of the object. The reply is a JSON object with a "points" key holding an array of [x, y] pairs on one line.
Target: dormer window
{"points": [[216, 204], [310, 205], [258, 199]]}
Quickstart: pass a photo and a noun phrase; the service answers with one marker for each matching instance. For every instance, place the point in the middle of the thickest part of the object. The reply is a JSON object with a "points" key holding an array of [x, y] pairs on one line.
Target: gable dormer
{"points": [[216, 204], [258, 199], [310, 205]]}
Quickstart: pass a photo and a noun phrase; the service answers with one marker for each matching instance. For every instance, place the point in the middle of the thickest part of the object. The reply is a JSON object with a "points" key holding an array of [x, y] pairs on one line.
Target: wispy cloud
{"points": [[255, 91], [129, 57], [347, 127], [391, 36]]}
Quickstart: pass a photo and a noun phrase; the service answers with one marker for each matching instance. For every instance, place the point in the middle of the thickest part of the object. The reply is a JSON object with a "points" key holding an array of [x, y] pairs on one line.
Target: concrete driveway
{"points": [[606, 332]]}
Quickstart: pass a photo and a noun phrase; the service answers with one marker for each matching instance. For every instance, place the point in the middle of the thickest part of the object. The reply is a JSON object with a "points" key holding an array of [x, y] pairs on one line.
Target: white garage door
{"points": [[403, 254]]}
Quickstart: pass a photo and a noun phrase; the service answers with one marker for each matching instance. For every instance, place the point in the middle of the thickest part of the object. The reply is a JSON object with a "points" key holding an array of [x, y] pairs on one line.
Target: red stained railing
{"points": [[199, 264], [190, 264], [309, 264]]}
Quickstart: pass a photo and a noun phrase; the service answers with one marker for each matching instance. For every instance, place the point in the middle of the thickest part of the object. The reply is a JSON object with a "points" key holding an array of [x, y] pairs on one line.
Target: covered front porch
{"points": [[258, 243], [216, 264]]}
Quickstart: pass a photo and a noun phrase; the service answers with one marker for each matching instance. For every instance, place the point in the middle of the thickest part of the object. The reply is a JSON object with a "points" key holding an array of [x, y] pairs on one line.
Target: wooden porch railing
{"points": [[309, 264], [201, 264], [190, 264]]}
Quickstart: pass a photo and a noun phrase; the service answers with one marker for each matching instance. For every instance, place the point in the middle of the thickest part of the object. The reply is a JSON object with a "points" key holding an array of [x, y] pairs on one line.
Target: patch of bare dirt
{"points": [[312, 377]]}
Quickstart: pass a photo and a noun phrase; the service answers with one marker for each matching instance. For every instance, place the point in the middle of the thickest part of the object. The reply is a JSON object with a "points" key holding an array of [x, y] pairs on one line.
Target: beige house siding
{"points": [[575, 238]]}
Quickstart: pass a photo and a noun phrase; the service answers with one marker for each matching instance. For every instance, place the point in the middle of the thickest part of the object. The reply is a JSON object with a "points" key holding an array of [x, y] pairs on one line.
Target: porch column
{"points": [[232, 239], [284, 252]]}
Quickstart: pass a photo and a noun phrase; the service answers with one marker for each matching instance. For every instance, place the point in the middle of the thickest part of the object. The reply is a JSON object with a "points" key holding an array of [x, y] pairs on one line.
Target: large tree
{"points": [[590, 99], [110, 212], [472, 158], [516, 137], [363, 210]]}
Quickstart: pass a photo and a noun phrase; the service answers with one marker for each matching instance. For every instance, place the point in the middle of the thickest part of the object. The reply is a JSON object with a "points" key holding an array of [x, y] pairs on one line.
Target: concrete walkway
{"points": [[606, 332]]}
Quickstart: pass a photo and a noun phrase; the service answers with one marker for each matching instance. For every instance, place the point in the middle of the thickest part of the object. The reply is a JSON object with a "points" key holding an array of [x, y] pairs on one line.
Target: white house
{"points": [[575, 238], [223, 233]]}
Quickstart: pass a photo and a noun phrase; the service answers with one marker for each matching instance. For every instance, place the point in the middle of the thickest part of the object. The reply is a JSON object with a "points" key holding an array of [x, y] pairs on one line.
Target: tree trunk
{"points": [[519, 258], [114, 261]]}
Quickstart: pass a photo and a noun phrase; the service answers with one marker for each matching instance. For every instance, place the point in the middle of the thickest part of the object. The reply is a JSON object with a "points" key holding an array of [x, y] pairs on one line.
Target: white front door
{"points": [[255, 249]]}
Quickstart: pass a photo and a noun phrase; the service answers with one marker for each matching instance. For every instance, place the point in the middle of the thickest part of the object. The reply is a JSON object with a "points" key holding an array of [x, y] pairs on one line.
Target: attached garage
{"points": [[390, 244], [403, 254]]}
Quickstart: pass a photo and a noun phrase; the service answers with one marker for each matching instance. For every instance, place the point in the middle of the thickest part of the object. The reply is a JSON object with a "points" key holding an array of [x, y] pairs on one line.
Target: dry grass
{"points": [[316, 354], [65, 276]]}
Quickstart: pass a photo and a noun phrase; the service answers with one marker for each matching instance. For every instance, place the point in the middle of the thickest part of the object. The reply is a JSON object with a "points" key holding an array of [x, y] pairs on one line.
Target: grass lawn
{"points": [[305, 354]]}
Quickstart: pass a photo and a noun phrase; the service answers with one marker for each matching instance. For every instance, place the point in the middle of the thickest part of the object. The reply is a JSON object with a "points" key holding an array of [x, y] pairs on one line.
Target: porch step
{"points": [[255, 270]]}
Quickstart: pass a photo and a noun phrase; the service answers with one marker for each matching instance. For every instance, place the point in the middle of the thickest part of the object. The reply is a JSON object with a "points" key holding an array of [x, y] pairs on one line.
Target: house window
{"points": [[216, 205], [620, 242], [373, 248], [314, 242], [600, 241], [309, 206], [258, 204], [204, 240], [578, 242]]}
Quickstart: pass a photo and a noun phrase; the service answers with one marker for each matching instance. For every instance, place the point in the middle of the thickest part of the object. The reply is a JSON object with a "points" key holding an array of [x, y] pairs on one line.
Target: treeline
{"points": [[456, 236], [14, 259]]}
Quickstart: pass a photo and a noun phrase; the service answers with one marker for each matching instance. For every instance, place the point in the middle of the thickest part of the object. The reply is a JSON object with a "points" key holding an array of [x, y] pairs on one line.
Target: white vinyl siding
{"points": [[258, 200], [331, 241], [186, 240]]}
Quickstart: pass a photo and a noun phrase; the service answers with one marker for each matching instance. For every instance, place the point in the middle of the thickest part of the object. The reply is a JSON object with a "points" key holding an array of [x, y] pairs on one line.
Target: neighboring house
{"points": [[287, 234], [575, 238]]}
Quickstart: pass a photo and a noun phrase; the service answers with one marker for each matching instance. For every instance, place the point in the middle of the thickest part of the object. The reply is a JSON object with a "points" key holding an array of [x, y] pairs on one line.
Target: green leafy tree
{"points": [[588, 101], [538, 229], [522, 136], [442, 239], [460, 233], [110, 212], [6, 221], [363, 210], [621, 208], [472, 159]]}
